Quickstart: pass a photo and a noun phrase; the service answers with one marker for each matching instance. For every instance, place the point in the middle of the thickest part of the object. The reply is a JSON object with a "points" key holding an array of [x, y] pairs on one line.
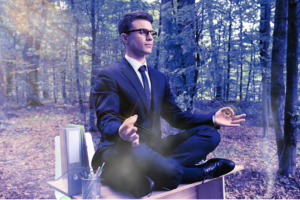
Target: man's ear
{"points": [[124, 38]]}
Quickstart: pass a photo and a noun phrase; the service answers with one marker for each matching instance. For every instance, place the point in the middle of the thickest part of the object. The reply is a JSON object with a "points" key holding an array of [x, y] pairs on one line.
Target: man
{"points": [[130, 97]]}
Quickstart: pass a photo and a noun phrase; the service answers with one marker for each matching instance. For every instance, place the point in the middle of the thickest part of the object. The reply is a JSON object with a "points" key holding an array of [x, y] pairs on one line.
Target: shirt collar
{"points": [[135, 64]]}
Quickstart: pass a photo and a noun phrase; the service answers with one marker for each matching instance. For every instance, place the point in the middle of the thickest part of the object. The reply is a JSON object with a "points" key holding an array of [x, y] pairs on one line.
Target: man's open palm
{"points": [[225, 117]]}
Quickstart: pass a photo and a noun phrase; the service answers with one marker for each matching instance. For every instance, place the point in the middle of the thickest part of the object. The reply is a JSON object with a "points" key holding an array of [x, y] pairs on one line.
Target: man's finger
{"points": [[231, 125], [235, 125], [240, 116], [135, 143], [129, 132], [132, 131], [231, 111], [133, 119], [228, 111], [133, 137], [130, 119], [124, 129], [237, 121], [128, 123]]}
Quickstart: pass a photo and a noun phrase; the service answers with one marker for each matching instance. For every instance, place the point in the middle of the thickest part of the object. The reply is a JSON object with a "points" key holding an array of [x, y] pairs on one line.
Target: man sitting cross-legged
{"points": [[130, 97]]}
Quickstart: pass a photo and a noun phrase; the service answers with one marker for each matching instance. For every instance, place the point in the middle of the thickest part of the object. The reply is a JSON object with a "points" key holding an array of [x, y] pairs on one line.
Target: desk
{"points": [[210, 189]]}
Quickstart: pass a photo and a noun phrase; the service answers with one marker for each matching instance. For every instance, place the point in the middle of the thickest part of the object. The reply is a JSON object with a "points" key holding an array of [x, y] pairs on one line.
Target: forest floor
{"points": [[27, 154]]}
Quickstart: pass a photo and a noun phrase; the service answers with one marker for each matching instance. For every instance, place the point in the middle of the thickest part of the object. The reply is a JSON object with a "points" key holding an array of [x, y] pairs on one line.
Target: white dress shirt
{"points": [[136, 65]]}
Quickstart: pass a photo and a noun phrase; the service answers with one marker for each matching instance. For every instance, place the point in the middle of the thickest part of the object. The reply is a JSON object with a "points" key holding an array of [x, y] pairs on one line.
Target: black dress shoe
{"points": [[216, 167], [143, 187]]}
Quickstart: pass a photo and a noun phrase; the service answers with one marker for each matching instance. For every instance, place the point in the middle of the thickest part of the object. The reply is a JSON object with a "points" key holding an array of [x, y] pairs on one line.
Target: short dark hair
{"points": [[125, 22]]}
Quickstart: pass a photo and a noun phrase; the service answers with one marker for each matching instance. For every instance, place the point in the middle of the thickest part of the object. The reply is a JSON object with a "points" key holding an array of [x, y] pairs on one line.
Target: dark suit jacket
{"points": [[119, 94]]}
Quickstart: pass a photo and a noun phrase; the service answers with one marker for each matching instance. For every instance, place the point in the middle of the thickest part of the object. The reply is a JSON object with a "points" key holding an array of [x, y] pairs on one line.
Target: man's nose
{"points": [[149, 37]]}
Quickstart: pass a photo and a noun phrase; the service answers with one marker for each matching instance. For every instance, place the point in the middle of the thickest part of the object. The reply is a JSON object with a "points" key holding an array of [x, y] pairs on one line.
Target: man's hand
{"points": [[127, 131], [225, 117]]}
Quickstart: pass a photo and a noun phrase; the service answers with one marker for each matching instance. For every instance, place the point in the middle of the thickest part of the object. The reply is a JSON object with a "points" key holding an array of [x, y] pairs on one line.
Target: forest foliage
{"points": [[51, 50], [43, 55]]}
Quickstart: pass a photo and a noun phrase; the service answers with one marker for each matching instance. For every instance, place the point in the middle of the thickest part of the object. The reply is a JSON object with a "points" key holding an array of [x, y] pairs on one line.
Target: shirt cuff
{"points": [[216, 126]]}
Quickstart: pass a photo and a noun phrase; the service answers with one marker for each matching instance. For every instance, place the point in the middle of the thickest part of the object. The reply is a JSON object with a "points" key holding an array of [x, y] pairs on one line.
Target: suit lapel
{"points": [[130, 74]]}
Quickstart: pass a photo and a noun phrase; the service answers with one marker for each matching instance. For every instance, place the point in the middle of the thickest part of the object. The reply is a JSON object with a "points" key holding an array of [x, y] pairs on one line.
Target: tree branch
{"points": [[294, 17], [87, 11]]}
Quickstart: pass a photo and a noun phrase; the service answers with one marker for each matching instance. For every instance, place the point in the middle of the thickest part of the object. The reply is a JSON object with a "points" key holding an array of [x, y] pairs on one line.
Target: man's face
{"points": [[137, 44]]}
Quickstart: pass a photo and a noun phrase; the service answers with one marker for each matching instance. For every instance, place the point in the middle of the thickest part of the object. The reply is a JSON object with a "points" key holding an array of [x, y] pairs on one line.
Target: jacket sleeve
{"points": [[107, 102], [178, 119]]}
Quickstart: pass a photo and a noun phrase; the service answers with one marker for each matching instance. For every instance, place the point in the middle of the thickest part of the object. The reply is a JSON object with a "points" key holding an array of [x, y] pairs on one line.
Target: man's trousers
{"points": [[162, 160]]}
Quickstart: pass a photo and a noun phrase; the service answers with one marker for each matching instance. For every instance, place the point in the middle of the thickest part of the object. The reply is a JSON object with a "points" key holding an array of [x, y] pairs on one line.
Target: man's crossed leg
{"points": [[168, 162]]}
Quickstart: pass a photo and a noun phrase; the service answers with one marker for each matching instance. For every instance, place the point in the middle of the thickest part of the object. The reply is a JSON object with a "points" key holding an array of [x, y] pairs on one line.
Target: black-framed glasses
{"points": [[143, 32]]}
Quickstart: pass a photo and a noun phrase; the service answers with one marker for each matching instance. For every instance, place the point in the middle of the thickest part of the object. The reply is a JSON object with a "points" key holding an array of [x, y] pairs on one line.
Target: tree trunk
{"points": [[228, 53], [94, 65], [214, 56], [45, 74], [200, 56], [54, 85], [237, 83], [220, 66], [290, 132], [32, 61], [249, 76], [17, 77], [9, 80], [63, 78], [77, 70], [253, 81], [17, 87], [224, 73], [189, 59], [10, 68], [45, 80], [3, 114], [277, 80], [31, 46], [158, 44], [265, 107], [76, 63], [199, 53], [241, 53], [265, 35], [166, 21], [64, 73], [82, 75], [185, 54]]}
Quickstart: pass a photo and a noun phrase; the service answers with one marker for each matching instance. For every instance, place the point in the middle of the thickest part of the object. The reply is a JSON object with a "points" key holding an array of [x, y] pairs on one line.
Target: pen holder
{"points": [[91, 187]]}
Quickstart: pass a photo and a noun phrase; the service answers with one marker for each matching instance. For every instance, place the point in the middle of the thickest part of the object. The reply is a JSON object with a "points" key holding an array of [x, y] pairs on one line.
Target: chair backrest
{"points": [[90, 147]]}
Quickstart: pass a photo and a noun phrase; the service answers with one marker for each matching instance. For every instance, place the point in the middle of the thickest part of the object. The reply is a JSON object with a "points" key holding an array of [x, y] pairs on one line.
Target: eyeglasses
{"points": [[143, 32]]}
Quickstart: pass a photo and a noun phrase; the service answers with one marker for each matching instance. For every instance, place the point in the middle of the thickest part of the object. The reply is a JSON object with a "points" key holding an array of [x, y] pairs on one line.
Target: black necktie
{"points": [[142, 69]]}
